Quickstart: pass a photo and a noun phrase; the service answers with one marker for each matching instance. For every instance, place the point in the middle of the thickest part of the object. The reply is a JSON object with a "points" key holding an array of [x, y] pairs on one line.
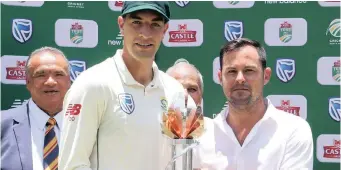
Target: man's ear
{"points": [[27, 82], [220, 76], [166, 28], [120, 22], [267, 75]]}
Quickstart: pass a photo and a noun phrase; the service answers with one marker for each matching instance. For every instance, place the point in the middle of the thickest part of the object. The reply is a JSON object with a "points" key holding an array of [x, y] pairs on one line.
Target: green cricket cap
{"points": [[161, 7]]}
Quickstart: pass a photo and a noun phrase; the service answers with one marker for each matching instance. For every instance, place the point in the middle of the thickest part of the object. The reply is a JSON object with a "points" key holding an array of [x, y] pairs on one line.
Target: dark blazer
{"points": [[16, 145]]}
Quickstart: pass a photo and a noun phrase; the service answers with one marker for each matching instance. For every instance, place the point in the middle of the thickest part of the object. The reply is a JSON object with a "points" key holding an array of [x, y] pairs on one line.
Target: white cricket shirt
{"points": [[278, 141], [112, 122]]}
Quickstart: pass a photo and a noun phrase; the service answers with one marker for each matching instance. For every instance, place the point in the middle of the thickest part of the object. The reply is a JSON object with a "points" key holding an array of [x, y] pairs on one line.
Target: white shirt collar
{"points": [[126, 76], [221, 117], [39, 117]]}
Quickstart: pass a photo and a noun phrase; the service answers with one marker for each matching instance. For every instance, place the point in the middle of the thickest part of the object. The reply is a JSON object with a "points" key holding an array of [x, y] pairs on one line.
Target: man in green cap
{"points": [[114, 109]]}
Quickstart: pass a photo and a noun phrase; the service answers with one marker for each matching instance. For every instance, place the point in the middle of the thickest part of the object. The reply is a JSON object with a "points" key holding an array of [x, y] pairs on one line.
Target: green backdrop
{"points": [[302, 40]]}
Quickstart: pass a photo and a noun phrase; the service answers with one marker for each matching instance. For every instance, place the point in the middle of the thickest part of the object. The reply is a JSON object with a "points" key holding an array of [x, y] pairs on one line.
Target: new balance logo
{"points": [[18, 102], [73, 110]]}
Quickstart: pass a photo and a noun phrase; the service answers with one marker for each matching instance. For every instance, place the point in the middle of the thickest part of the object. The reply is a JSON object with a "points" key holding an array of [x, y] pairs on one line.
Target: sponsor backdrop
{"points": [[302, 40]]}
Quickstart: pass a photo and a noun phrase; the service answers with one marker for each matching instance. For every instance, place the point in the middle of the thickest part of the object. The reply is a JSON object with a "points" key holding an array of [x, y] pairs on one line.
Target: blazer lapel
{"points": [[22, 132]]}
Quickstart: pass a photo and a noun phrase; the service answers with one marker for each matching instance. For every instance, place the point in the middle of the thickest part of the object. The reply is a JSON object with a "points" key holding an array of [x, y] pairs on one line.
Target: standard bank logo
{"points": [[76, 68], [285, 69], [334, 108], [182, 3], [22, 29], [126, 102], [233, 30]]}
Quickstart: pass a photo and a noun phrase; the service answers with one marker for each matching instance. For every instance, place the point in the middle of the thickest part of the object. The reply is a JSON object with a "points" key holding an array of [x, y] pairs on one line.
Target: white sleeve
{"points": [[299, 149], [82, 110]]}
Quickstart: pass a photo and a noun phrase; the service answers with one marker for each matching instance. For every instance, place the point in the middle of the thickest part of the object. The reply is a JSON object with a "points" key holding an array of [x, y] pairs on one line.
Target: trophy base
{"points": [[183, 141], [182, 148]]}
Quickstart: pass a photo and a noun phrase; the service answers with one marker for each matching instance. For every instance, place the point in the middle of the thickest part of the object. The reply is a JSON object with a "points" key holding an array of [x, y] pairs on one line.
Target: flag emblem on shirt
{"points": [[164, 104], [126, 102]]}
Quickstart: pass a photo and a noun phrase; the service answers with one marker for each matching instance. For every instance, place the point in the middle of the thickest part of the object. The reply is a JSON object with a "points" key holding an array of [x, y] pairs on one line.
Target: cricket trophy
{"points": [[182, 125]]}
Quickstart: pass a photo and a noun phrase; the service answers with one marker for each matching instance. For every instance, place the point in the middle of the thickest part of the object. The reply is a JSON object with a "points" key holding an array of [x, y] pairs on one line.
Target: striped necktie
{"points": [[50, 160]]}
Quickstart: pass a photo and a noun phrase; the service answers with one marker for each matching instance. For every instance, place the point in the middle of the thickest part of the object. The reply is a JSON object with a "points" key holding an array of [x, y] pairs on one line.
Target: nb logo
{"points": [[73, 110]]}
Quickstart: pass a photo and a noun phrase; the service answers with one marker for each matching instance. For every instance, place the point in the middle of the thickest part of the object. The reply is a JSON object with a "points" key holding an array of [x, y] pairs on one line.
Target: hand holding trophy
{"points": [[183, 124]]}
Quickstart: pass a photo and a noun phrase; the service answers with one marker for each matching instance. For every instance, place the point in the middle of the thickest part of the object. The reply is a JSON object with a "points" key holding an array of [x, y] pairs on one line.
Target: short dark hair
{"points": [[239, 43]]}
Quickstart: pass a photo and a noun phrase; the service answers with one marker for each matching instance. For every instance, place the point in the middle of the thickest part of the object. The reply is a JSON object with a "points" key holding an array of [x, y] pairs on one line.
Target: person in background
{"points": [[30, 132], [190, 78], [251, 133]]}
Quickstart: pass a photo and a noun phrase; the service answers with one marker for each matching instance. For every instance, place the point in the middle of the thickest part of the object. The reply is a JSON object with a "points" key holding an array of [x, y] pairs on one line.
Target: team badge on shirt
{"points": [[126, 102], [164, 104]]}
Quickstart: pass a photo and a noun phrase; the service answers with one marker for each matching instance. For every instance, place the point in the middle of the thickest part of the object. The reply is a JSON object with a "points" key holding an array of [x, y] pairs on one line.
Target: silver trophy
{"points": [[183, 126]]}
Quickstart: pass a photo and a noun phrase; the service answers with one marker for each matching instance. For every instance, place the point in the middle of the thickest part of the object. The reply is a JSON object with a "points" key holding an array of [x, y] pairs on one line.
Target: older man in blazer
{"points": [[30, 133]]}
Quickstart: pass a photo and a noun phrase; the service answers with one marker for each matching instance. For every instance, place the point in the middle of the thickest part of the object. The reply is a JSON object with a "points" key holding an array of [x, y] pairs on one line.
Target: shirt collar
{"points": [[126, 76], [221, 117], [40, 118]]}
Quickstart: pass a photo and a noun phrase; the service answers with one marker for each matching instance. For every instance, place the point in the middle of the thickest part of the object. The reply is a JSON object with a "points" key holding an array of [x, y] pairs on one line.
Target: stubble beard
{"points": [[244, 104]]}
